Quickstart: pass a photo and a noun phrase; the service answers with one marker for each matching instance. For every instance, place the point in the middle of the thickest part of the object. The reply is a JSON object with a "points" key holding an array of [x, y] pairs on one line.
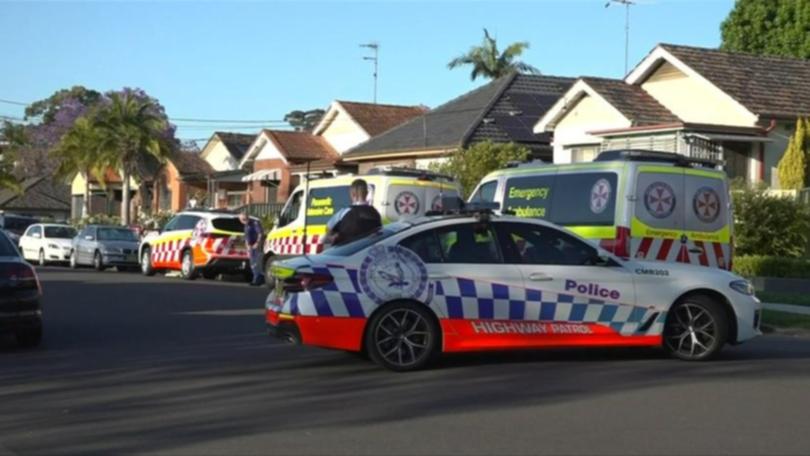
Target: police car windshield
{"points": [[353, 247]]}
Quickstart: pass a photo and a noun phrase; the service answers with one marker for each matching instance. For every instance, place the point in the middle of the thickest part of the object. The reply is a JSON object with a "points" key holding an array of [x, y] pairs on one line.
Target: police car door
{"points": [[567, 282], [469, 280]]}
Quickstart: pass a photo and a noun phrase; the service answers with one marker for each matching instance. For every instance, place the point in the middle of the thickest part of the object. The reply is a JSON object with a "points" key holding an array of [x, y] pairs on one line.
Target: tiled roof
{"points": [[236, 143], [378, 118], [502, 110], [632, 101], [764, 85], [190, 163], [299, 146], [38, 193]]}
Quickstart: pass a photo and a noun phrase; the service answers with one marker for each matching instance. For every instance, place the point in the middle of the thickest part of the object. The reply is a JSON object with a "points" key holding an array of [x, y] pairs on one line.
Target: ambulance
{"points": [[397, 193], [646, 205]]}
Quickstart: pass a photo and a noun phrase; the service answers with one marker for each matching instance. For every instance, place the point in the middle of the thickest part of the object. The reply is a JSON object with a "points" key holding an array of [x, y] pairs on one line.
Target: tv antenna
{"points": [[374, 46], [627, 4]]}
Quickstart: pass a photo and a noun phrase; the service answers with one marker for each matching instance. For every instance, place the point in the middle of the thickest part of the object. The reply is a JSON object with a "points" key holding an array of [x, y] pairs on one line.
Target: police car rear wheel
{"points": [[187, 266], [146, 262], [402, 337], [696, 329]]}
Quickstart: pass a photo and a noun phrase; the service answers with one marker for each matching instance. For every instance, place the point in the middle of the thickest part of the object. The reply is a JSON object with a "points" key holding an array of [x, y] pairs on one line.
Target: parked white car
{"points": [[47, 243]]}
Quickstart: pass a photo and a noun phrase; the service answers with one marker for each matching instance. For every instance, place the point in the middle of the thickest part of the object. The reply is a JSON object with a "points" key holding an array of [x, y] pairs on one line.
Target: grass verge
{"points": [[784, 298], [778, 319]]}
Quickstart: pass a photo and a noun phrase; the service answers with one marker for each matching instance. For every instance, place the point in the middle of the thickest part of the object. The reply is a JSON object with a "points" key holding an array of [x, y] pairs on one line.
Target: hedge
{"points": [[771, 266]]}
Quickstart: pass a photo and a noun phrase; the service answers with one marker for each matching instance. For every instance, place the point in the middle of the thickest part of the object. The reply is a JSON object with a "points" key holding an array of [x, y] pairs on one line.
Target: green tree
{"points": [[768, 27], [488, 62], [468, 166], [793, 166], [304, 120], [79, 151], [131, 128]]}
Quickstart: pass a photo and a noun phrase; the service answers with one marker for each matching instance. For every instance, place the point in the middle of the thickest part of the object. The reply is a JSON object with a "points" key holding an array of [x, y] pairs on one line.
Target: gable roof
{"points": [[300, 146], [377, 118], [42, 192], [502, 110], [766, 86], [633, 102], [190, 163], [236, 143]]}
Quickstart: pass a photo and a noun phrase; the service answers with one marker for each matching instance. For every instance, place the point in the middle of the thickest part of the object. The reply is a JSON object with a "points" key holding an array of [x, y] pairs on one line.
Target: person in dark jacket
{"points": [[358, 220], [253, 241]]}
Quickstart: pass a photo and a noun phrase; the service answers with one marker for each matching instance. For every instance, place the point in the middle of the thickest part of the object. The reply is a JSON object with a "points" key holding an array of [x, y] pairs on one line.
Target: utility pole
{"points": [[627, 4], [374, 46]]}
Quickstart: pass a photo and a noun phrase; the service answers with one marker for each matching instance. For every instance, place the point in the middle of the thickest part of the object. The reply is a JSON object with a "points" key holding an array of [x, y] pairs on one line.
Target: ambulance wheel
{"points": [[187, 271], [402, 336], [146, 262], [696, 328]]}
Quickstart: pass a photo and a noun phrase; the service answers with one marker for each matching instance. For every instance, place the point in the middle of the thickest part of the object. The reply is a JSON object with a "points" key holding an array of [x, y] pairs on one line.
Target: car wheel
{"points": [[146, 262], [402, 337], [696, 328], [187, 271], [29, 337], [98, 262], [41, 258], [209, 274], [270, 281], [73, 264]]}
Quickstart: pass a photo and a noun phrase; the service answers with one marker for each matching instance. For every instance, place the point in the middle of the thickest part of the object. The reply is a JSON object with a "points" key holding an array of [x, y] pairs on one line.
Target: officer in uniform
{"points": [[357, 221]]}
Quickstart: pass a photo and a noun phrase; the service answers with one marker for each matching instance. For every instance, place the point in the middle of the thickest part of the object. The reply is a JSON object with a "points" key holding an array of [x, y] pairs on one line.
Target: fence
{"points": [[802, 195], [262, 209]]}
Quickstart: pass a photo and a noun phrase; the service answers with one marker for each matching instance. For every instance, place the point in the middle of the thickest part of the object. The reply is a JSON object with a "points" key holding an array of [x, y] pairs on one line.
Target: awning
{"points": [[731, 137], [263, 175]]}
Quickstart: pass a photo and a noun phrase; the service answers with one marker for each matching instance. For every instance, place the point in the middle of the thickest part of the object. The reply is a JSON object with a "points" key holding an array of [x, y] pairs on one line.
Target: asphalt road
{"points": [[158, 365]]}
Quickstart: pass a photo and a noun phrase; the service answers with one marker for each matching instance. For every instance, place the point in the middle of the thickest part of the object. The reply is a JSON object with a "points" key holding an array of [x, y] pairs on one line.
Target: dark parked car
{"points": [[20, 293], [103, 246]]}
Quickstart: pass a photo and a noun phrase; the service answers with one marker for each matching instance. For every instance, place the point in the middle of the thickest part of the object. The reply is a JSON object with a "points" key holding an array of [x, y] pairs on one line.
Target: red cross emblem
{"points": [[706, 204], [406, 203], [600, 195], [659, 199]]}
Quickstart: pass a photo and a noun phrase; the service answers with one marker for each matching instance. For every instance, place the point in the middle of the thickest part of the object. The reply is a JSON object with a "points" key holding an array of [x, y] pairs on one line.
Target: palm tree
{"points": [[132, 129], [79, 151], [488, 62]]}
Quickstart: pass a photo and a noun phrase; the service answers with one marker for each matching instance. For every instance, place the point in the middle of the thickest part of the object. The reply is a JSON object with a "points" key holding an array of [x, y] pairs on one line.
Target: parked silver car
{"points": [[103, 246]]}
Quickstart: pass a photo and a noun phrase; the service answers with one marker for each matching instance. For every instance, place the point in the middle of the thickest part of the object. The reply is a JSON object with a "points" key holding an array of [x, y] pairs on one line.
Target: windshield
{"points": [[353, 247], [6, 248], [116, 234], [59, 232]]}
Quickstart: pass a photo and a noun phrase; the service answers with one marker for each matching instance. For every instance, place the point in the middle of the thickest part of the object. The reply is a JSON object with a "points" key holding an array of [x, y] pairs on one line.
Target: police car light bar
{"points": [[453, 205]]}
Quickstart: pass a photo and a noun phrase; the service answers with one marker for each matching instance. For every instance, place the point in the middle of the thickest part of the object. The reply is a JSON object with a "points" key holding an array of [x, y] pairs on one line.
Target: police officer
{"points": [[358, 220], [253, 242]]}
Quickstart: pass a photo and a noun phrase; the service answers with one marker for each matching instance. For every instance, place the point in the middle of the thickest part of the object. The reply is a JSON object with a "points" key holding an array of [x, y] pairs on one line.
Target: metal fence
{"points": [[803, 195], [262, 209]]}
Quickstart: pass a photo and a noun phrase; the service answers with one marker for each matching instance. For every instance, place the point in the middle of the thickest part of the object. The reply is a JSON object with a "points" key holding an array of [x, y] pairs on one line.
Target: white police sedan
{"points": [[482, 282]]}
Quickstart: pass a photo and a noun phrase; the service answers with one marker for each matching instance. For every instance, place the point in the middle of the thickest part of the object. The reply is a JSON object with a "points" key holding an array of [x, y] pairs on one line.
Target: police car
{"points": [[473, 282]]}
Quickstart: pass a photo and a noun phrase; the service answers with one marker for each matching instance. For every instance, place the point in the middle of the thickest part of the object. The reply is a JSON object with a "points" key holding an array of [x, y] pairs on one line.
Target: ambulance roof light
{"points": [[526, 163], [655, 156]]}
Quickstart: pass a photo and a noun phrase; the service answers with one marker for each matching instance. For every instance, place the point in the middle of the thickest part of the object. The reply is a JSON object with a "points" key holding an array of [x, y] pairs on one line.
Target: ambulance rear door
{"points": [[657, 223], [707, 218]]}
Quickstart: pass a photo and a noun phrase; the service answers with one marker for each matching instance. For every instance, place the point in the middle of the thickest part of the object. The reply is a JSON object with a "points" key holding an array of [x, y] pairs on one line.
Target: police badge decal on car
{"points": [[392, 272]]}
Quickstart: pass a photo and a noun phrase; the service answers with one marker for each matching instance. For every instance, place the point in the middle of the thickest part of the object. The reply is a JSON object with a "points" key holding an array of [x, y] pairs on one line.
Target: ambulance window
{"points": [[659, 200], [529, 196], [485, 193], [706, 203], [291, 210], [468, 243], [525, 243], [324, 202], [584, 199], [426, 245]]}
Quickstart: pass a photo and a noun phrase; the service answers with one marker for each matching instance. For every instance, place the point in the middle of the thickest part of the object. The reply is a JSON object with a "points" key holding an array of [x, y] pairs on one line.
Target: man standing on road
{"points": [[253, 242], [354, 222]]}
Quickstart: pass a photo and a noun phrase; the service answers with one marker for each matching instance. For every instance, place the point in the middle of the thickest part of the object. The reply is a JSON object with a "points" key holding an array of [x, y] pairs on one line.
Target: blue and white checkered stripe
{"points": [[458, 298]]}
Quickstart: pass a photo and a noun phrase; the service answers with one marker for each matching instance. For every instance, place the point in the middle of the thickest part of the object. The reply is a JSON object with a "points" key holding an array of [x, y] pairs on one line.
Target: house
{"points": [[224, 150], [278, 158], [736, 108], [348, 123], [504, 110], [183, 178], [106, 194], [42, 197]]}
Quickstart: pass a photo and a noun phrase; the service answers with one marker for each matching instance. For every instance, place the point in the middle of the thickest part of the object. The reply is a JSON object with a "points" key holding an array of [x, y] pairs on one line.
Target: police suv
{"points": [[477, 281]]}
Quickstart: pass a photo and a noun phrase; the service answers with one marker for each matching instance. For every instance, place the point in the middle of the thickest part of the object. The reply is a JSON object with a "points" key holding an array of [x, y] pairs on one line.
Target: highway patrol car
{"points": [[474, 282], [639, 204], [396, 193], [194, 243]]}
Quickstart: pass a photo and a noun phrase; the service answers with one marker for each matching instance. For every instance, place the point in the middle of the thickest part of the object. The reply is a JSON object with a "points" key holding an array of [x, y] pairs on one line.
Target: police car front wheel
{"points": [[696, 328], [402, 337]]}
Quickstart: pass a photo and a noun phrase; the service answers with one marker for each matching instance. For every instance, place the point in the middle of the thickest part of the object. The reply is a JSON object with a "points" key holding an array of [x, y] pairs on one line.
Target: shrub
{"points": [[96, 219], [468, 166], [769, 225], [770, 266]]}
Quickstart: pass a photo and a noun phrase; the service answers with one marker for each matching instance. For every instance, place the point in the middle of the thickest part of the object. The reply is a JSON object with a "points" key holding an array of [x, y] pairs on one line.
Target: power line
{"points": [[18, 103], [186, 119]]}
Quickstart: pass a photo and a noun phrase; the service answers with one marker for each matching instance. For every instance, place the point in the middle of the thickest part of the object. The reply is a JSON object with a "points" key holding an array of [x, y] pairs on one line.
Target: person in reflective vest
{"points": [[356, 221]]}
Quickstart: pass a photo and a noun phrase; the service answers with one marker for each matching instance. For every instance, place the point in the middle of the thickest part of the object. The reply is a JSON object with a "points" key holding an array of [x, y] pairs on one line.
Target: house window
{"points": [[235, 199], [583, 153]]}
